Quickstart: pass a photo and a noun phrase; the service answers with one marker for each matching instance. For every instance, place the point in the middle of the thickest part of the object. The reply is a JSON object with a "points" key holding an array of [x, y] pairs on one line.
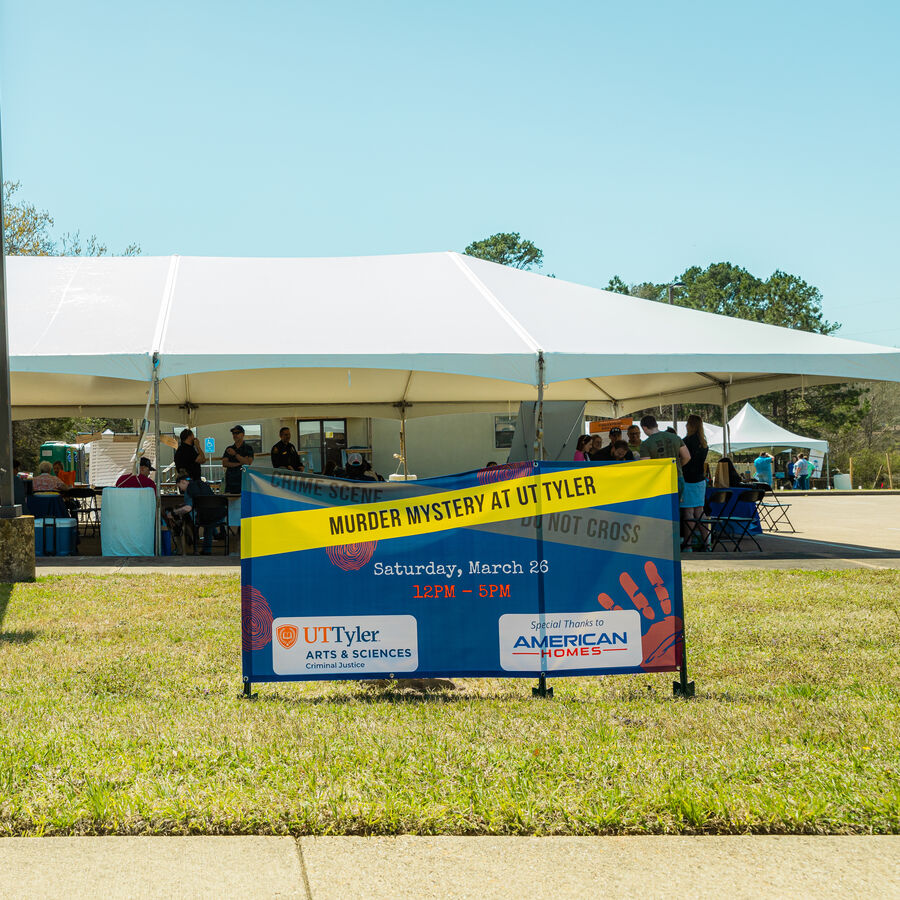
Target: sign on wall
{"points": [[519, 570]]}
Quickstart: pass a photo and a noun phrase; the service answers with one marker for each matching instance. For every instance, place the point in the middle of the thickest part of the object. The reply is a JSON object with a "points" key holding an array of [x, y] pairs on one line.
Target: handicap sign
{"points": [[209, 445]]}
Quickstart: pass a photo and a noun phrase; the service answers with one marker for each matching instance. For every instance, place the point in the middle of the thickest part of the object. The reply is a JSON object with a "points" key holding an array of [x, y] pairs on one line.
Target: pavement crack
{"points": [[303, 871]]}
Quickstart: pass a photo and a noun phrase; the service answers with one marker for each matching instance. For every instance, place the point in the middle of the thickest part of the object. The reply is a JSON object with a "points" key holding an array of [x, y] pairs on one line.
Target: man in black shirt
{"points": [[239, 454], [188, 456], [605, 454], [284, 453]]}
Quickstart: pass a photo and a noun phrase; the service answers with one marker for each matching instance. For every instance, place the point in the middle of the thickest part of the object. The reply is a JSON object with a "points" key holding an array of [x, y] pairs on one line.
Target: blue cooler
{"points": [[54, 537], [66, 536], [44, 541]]}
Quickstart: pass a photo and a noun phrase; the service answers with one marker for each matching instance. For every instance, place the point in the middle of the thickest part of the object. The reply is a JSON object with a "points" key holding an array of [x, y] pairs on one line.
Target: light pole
{"points": [[9, 509], [669, 287]]}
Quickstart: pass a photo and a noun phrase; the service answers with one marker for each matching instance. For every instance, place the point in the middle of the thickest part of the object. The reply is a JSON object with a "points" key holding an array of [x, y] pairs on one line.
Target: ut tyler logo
{"points": [[287, 635]]}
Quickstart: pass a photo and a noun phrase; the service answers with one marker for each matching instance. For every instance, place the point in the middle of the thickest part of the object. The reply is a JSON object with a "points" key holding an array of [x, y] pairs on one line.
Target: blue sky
{"points": [[629, 139]]}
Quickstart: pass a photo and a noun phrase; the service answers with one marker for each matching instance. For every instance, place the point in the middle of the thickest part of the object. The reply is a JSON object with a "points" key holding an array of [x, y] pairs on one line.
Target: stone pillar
{"points": [[17, 549]]}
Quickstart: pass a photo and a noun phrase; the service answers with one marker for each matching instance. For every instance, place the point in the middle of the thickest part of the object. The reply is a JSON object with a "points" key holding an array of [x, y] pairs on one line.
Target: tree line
{"points": [[859, 420]]}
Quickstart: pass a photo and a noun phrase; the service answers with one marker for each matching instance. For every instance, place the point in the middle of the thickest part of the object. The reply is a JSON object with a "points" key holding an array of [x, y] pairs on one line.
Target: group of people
{"points": [[591, 447], [799, 470], [689, 454]]}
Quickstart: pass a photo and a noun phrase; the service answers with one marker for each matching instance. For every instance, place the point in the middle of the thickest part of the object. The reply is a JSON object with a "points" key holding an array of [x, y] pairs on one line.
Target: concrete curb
{"points": [[328, 868]]}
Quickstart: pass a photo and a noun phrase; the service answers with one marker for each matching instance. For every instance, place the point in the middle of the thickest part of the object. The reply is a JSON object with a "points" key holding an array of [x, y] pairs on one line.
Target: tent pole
{"points": [[827, 471], [157, 531], [539, 418], [726, 438], [403, 439]]}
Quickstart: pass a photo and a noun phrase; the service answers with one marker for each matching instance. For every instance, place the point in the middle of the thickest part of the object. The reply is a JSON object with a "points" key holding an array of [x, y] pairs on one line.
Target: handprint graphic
{"points": [[662, 642]]}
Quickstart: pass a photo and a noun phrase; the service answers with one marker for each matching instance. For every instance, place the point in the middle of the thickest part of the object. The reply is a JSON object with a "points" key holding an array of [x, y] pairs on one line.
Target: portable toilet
{"points": [[70, 456]]}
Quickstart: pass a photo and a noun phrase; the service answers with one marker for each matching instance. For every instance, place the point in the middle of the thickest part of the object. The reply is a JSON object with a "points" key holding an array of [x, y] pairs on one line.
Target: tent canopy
{"points": [[750, 429], [358, 335]]}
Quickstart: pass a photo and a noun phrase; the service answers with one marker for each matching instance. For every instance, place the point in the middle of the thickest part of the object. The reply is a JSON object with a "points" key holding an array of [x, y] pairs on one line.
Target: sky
{"points": [[623, 139]]}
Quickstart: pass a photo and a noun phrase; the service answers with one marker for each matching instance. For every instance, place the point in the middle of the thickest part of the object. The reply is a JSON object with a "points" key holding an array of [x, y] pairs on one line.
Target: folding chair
{"points": [[724, 526], [772, 511], [87, 512], [206, 508]]}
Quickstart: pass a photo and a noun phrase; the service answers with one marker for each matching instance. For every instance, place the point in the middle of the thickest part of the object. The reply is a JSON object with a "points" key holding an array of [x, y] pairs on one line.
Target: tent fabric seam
{"points": [[489, 295]]}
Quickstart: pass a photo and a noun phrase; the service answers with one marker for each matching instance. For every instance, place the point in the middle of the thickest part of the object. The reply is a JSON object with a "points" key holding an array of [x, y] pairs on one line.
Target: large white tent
{"points": [[750, 429], [426, 333]]}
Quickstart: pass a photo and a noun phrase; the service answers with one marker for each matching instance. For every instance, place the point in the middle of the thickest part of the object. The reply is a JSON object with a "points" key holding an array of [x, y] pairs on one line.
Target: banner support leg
{"points": [[683, 687], [247, 693], [542, 690]]}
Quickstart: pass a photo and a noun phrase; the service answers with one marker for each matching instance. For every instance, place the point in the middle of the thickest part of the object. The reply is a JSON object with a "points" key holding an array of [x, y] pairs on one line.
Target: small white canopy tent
{"points": [[713, 433], [750, 429], [422, 333]]}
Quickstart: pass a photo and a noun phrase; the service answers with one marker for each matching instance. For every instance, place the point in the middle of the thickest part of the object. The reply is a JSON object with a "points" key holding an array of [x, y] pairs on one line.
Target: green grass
{"points": [[119, 714]]}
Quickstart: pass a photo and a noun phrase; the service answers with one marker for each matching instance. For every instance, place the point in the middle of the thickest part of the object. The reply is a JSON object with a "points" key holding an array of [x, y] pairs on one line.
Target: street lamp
{"points": [[669, 287]]}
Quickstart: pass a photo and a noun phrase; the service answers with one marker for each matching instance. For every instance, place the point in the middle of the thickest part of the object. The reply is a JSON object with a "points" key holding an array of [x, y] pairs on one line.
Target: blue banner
{"points": [[516, 570]]}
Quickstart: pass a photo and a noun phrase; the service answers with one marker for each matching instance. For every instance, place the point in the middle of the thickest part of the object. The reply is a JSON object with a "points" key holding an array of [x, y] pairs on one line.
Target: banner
{"points": [[516, 570]]}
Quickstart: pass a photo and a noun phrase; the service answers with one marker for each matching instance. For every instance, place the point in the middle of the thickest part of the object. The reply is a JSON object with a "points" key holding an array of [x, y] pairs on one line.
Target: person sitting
{"points": [[356, 468], [208, 519], [142, 479], [67, 478], [45, 480], [284, 454]]}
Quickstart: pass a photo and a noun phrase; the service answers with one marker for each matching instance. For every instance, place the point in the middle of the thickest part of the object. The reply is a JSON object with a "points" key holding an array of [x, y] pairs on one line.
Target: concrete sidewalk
{"points": [[329, 868]]}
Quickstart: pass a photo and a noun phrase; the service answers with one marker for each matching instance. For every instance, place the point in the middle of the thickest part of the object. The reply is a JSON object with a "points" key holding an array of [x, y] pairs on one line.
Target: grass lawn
{"points": [[120, 714]]}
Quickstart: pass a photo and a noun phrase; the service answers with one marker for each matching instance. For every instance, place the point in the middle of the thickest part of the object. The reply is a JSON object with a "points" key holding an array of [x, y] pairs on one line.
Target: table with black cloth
{"points": [[735, 506]]}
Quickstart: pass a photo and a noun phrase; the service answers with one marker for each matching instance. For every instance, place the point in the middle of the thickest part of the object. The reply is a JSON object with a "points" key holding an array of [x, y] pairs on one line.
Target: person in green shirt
{"points": [[664, 445]]}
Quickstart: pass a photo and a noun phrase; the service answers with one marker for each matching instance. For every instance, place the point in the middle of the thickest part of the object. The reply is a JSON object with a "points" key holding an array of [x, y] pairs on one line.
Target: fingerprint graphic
{"points": [[256, 619], [351, 557], [505, 472]]}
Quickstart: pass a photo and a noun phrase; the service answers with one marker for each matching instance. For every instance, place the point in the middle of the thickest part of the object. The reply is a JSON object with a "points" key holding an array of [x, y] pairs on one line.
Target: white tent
{"points": [[713, 433], [750, 429], [425, 333]]}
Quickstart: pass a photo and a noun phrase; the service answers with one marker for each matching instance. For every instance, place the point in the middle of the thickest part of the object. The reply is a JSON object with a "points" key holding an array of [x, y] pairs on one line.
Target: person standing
{"points": [[581, 447], [236, 456], [664, 445], [694, 497], [801, 470], [634, 440], [284, 454], [790, 471], [595, 447], [188, 456], [763, 466]]}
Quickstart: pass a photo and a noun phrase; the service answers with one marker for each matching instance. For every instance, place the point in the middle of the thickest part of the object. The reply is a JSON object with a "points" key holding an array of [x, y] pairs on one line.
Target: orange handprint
{"points": [[663, 639]]}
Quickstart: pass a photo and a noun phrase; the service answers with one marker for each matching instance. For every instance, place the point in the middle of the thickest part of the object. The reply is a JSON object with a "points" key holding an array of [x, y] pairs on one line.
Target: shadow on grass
{"points": [[17, 637], [372, 695], [12, 637]]}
